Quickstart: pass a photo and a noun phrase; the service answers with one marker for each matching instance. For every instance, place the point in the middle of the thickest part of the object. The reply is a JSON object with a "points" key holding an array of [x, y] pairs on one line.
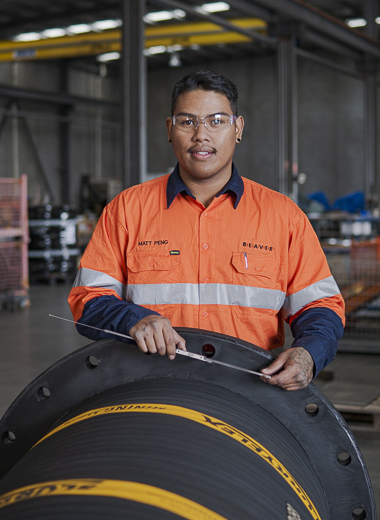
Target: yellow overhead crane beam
{"points": [[89, 44]]}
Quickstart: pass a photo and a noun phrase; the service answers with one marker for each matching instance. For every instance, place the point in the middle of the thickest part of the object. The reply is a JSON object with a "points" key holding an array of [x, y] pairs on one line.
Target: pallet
{"points": [[361, 417], [356, 297], [359, 403]]}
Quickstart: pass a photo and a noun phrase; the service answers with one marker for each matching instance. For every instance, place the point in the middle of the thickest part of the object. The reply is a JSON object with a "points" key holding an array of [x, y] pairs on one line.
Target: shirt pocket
{"points": [[255, 270], [150, 267]]}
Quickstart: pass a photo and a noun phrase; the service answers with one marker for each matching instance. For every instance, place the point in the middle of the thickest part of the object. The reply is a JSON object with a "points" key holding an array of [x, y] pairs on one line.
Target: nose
{"points": [[201, 132]]}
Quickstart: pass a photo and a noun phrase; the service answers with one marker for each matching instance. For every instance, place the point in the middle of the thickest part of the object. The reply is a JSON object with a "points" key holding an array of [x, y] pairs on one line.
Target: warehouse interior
{"points": [[85, 90]]}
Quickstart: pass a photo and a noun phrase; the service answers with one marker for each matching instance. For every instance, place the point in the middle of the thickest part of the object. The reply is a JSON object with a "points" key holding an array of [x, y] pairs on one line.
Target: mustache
{"points": [[201, 149]]}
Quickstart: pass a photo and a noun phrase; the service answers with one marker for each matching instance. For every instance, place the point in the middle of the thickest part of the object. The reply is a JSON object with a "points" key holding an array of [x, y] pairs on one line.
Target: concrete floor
{"points": [[31, 341]]}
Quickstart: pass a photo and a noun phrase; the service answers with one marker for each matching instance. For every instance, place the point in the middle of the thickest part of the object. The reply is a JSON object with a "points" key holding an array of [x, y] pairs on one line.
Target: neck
{"points": [[204, 194], [204, 190]]}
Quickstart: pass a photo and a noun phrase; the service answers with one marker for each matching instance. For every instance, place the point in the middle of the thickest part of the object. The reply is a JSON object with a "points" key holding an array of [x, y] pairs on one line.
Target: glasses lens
{"points": [[217, 122], [185, 123], [213, 123]]}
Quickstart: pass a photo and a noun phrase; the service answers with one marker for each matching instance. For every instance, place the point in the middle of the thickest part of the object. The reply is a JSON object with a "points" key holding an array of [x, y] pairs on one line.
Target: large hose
{"points": [[110, 433]]}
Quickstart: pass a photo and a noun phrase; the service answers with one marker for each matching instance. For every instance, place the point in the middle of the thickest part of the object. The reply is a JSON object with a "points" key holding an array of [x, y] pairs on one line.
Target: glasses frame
{"points": [[199, 120]]}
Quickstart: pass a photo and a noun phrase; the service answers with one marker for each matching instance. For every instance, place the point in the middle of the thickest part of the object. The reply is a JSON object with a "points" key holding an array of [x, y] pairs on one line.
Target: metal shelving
{"points": [[53, 251]]}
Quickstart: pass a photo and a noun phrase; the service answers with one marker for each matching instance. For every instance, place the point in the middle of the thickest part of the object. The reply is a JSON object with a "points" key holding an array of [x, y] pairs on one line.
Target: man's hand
{"points": [[156, 334], [292, 370]]}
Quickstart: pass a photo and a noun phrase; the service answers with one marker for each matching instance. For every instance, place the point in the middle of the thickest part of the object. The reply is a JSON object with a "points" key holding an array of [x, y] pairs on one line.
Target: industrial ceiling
{"points": [[192, 33]]}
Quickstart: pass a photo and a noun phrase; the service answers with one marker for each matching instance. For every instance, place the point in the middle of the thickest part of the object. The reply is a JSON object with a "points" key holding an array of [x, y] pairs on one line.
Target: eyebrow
{"points": [[208, 115]]}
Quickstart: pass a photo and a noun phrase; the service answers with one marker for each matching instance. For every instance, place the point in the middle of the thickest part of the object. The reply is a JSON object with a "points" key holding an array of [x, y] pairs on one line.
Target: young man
{"points": [[208, 249]]}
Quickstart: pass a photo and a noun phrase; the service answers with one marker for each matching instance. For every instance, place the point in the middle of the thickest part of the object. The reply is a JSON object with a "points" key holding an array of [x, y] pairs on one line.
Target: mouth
{"points": [[202, 153]]}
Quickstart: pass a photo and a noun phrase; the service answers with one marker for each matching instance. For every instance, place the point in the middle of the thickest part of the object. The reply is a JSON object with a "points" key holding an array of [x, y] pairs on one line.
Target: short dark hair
{"points": [[206, 80]]}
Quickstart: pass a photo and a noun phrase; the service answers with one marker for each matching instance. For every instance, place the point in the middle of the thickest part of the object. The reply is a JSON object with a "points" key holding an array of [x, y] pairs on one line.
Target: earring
{"points": [[170, 140], [238, 139]]}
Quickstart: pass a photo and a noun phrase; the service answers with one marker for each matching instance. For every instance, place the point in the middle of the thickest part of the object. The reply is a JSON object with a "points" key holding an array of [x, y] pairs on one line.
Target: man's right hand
{"points": [[156, 334]]}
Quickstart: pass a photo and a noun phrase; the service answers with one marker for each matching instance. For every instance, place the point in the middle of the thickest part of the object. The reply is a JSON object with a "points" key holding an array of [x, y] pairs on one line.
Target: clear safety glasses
{"points": [[213, 123]]}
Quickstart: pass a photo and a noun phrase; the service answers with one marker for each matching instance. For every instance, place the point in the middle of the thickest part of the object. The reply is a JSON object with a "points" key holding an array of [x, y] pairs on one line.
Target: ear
{"points": [[239, 125], [169, 124]]}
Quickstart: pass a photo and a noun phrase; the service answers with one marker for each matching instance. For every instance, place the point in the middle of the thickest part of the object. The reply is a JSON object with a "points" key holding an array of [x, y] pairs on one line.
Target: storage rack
{"points": [[14, 280], [357, 272], [53, 251]]}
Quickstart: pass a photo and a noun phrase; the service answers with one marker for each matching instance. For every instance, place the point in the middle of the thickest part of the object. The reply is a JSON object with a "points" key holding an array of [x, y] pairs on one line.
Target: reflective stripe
{"points": [[90, 278], [205, 294], [323, 289], [209, 294]]}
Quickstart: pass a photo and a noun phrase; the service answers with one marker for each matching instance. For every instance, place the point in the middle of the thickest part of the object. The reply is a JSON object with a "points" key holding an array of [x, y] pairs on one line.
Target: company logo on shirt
{"points": [[257, 246]]}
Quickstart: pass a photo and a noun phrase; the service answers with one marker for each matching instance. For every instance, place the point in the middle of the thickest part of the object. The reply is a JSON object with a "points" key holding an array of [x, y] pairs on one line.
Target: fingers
{"points": [[155, 334], [292, 370]]}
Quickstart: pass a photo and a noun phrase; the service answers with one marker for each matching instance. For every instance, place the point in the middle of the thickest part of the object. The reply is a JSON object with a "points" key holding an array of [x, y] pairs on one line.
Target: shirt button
{"points": [[205, 246], [150, 264], [204, 279], [204, 213], [205, 314]]}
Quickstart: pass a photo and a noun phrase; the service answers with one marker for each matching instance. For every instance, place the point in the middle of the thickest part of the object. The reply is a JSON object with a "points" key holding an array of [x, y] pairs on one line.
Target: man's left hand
{"points": [[292, 370]]}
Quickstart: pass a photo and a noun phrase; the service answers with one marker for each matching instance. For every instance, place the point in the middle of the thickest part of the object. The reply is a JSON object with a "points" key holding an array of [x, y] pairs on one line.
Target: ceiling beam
{"points": [[259, 38], [323, 23]]}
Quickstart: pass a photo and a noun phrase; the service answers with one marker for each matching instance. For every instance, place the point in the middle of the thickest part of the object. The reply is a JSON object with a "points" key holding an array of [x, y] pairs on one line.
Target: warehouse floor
{"points": [[32, 341]]}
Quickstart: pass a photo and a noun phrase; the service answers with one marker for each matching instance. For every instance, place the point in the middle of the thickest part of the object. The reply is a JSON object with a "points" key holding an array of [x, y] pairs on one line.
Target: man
{"points": [[208, 249]]}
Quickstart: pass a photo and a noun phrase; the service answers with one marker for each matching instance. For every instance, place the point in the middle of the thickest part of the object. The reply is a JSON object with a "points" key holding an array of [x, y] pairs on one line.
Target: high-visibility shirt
{"points": [[238, 267]]}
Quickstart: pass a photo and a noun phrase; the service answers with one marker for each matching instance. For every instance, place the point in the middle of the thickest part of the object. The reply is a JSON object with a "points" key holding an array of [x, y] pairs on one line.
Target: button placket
{"points": [[204, 259]]}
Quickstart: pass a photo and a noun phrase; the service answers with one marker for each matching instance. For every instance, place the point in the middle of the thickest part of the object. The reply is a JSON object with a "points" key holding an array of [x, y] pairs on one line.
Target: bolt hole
{"points": [[44, 392], [359, 514], [208, 350], [9, 437], [312, 409], [92, 362], [344, 458]]}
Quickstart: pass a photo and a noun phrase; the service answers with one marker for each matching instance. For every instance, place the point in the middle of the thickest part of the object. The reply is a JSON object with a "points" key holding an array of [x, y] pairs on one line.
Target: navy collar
{"points": [[176, 186]]}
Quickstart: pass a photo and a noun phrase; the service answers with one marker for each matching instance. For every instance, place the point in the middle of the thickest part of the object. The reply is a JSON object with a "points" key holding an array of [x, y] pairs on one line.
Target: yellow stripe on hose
{"points": [[135, 491], [206, 420]]}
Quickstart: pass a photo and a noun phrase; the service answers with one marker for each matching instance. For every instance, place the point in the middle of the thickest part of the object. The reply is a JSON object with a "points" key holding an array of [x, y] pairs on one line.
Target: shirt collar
{"points": [[176, 186]]}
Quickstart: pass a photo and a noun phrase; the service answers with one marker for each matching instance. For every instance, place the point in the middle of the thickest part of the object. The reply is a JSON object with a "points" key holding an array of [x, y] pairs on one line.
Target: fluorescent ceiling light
{"points": [[356, 22], [175, 48], [161, 16], [215, 7], [158, 16], [103, 25], [28, 37], [178, 13], [79, 28], [108, 56], [157, 49], [377, 20], [53, 33]]}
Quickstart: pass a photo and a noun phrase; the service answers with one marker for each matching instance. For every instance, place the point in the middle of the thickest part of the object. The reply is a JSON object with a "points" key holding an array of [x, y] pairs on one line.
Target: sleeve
{"points": [[108, 312], [97, 297], [314, 306], [318, 331]]}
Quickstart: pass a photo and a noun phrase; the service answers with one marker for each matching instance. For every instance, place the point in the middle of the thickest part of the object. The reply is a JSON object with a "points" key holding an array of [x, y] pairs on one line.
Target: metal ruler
{"points": [[177, 350]]}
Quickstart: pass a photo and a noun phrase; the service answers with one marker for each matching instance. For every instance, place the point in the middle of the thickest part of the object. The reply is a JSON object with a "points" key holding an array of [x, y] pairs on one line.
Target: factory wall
{"points": [[94, 146], [330, 121]]}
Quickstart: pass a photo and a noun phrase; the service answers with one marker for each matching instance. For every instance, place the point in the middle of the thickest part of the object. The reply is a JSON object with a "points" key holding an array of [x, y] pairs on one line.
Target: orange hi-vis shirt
{"points": [[237, 271]]}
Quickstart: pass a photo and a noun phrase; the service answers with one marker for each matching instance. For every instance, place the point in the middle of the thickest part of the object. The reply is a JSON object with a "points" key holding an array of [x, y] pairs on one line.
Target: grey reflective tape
{"points": [[163, 294], [205, 294], [90, 278], [323, 289], [241, 295]]}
